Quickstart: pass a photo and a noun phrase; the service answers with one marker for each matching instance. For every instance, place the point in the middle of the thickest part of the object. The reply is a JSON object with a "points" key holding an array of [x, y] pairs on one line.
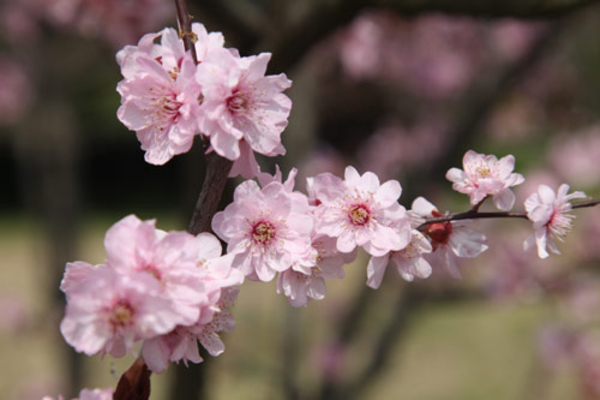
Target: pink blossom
{"points": [[548, 212], [300, 283], [485, 176], [171, 259], [240, 102], [160, 106], [409, 261], [182, 343], [16, 93], [449, 240], [108, 311], [359, 211], [268, 230]]}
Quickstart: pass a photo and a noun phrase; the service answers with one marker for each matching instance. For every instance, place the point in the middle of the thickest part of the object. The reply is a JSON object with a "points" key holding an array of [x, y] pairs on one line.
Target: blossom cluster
{"points": [[168, 97], [303, 239], [167, 289]]}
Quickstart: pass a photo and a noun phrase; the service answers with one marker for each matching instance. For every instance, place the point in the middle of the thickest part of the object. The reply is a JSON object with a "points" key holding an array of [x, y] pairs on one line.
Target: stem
{"points": [[217, 172], [474, 214], [184, 23]]}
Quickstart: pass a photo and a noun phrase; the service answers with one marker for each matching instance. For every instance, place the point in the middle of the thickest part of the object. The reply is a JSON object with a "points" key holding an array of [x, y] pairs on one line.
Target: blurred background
{"points": [[401, 88]]}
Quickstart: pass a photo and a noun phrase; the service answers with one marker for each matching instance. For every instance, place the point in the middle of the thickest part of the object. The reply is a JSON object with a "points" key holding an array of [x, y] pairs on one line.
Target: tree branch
{"points": [[474, 214]]}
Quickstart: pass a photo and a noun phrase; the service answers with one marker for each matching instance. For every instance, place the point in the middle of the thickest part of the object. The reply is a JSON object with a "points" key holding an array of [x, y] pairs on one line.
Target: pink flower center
{"points": [[165, 108], [122, 315], [263, 232], [237, 102], [359, 214]]}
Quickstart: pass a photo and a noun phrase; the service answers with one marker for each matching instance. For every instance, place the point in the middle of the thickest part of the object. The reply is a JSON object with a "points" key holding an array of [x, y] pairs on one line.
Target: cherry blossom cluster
{"points": [[167, 289], [168, 97]]}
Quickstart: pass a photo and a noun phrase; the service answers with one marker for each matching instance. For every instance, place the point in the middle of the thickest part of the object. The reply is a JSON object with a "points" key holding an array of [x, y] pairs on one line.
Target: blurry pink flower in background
{"points": [[393, 149], [89, 394], [15, 91], [433, 56], [118, 21], [485, 175], [575, 157], [548, 212], [512, 37], [15, 316], [19, 21]]}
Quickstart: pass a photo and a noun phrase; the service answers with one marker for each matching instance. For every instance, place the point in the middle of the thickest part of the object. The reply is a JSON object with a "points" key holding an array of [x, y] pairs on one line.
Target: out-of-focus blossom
{"points": [[89, 394], [117, 21], [449, 240], [575, 157], [359, 211], [512, 37], [555, 346], [433, 56], [548, 212], [392, 149], [14, 315], [15, 91], [485, 175]]}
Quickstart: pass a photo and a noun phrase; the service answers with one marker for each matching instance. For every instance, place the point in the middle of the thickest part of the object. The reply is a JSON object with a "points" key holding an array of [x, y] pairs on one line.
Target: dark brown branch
{"points": [[474, 214], [217, 171], [184, 22]]}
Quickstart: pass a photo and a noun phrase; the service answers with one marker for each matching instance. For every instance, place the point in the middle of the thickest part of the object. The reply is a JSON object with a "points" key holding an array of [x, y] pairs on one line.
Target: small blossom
{"points": [[548, 212], [359, 211], [485, 176], [450, 239], [409, 261], [301, 283]]}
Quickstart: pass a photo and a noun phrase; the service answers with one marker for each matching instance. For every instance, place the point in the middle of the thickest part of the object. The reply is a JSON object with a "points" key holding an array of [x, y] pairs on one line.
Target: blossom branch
{"points": [[184, 23], [474, 214]]}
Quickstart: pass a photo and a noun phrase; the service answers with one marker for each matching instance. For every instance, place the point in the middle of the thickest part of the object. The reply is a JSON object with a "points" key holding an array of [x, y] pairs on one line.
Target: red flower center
{"points": [[263, 232], [359, 214]]}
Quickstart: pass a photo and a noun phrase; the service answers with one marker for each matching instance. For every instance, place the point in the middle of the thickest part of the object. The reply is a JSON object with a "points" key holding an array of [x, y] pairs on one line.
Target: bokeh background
{"points": [[401, 88]]}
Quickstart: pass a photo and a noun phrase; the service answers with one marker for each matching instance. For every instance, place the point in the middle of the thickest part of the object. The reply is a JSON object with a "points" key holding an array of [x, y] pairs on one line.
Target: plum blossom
{"points": [[107, 312], [359, 211], [240, 102], [267, 230], [409, 261], [485, 175], [182, 342], [549, 213], [450, 239], [160, 98], [160, 106], [166, 288], [301, 283]]}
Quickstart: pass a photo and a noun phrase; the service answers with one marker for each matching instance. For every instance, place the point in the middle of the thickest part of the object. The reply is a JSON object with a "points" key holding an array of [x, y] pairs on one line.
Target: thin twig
{"points": [[184, 23], [474, 214]]}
